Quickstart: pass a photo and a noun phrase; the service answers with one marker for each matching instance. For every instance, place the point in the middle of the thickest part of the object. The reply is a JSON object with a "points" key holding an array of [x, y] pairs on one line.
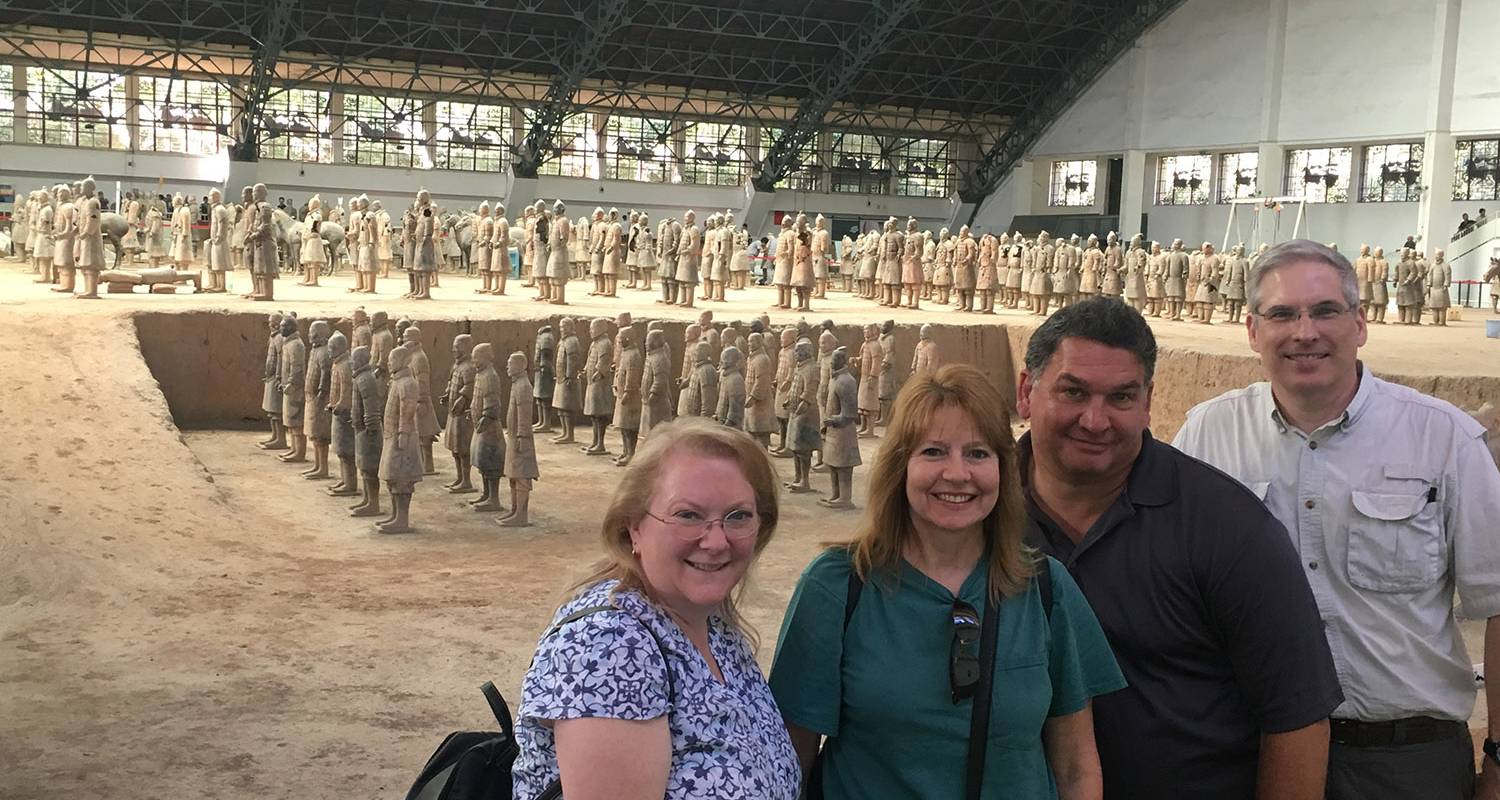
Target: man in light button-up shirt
{"points": [[1393, 503]]}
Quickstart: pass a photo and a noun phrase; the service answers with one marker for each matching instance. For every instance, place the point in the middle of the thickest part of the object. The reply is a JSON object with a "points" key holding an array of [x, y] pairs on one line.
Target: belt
{"points": [[1412, 730]]}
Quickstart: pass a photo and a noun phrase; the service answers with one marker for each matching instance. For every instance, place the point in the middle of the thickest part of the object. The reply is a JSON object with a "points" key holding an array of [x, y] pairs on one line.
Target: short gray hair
{"points": [[1297, 251]]}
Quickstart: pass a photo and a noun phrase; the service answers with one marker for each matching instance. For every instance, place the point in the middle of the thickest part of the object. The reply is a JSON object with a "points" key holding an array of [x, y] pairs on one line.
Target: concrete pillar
{"points": [[1023, 184], [428, 159], [336, 126], [1436, 208], [756, 209], [133, 110], [523, 192], [1133, 183], [1270, 162], [241, 174]]}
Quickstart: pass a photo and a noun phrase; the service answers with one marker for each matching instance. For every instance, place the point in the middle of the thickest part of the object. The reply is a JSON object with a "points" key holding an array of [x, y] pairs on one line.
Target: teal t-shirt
{"points": [[880, 692]]}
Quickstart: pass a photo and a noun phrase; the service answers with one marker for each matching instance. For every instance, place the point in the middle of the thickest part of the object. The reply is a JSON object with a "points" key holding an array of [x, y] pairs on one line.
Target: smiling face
{"points": [[1089, 407], [692, 575], [1306, 357], [952, 476]]}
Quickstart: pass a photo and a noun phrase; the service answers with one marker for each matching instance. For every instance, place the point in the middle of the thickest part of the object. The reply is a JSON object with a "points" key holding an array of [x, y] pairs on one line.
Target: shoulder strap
{"points": [[851, 599], [979, 720], [499, 709], [1044, 587]]}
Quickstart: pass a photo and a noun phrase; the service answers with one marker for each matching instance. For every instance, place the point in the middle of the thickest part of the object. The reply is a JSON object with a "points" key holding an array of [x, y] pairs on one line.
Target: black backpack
{"points": [[476, 765]]}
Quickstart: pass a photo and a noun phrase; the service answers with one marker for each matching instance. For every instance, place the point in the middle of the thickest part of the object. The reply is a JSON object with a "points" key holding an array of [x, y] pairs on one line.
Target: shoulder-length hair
{"points": [[701, 436], [887, 523]]}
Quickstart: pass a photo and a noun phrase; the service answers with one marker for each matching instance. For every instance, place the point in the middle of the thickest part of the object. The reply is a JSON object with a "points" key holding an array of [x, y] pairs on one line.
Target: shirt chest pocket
{"points": [[1396, 540]]}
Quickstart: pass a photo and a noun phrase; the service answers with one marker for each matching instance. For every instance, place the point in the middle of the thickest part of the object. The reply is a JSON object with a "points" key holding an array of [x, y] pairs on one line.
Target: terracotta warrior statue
{"points": [[701, 396], [1137, 266], [458, 433], [598, 250], [925, 359], [520, 450], [628, 375], [1380, 277], [730, 409], [1112, 268], [311, 255], [317, 419], [911, 265], [840, 441], [1364, 264], [965, 261], [366, 415], [220, 232], [499, 252], [871, 360], [271, 393], [1210, 277], [260, 246], [760, 390], [1439, 279], [340, 409], [1174, 289], [65, 220], [786, 368], [421, 371], [689, 255], [1041, 276], [598, 393], [986, 278], [802, 436], [544, 356], [90, 245], [667, 241], [1236, 268], [483, 247], [567, 367], [559, 234], [486, 417], [182, 232], [293, 374], [656, 382], [1156, 281], [401, 457], [783, 262], [644, 244], [38, 244]]}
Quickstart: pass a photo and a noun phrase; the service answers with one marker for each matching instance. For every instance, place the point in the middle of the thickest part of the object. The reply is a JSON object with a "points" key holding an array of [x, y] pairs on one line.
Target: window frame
{"points": [[1058, 191]]}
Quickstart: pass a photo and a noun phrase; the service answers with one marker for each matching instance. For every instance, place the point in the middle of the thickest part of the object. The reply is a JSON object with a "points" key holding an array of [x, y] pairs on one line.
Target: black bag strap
{"points": [[979, 721], [499, 709]]}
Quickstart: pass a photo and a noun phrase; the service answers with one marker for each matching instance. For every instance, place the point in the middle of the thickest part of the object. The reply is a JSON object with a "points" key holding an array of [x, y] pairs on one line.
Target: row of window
{"points": [[1389, 173], [94, 109]]}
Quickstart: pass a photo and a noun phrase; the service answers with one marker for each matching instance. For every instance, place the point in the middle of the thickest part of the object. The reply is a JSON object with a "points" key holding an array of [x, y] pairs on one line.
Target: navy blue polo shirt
{"points": [[1203, 599]]}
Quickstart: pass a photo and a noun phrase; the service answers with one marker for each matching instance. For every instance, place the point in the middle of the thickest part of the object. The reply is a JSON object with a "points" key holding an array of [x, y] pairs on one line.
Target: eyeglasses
{"points": [[963, 654], [1319, 314], [689, 525]]}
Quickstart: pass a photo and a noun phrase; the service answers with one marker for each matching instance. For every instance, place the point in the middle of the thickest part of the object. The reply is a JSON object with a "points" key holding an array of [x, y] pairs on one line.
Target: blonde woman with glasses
{"points": [[646, 684]]}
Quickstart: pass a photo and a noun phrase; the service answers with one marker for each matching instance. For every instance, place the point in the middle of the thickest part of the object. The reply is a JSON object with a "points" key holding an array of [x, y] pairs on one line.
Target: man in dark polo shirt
{"points": [[1194, 581]]}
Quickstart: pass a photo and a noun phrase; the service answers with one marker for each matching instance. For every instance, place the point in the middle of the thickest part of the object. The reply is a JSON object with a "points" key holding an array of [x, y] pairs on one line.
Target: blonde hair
{"points": [[887, 524], [700, 436]]}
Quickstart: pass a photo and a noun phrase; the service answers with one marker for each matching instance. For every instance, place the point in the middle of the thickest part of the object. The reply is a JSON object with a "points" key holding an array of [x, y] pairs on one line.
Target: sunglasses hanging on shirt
{"points": [[963, 654]]}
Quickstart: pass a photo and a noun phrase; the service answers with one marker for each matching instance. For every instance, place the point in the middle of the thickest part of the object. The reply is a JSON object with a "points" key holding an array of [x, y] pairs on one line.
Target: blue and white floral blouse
{"points": [[728, 739]]}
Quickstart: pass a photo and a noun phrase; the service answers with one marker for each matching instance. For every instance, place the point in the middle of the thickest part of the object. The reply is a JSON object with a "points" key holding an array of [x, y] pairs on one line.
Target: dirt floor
{"points": [[183, 615]]}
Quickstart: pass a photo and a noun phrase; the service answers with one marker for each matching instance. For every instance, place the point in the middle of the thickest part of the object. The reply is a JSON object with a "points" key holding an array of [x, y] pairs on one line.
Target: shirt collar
{"points": [[1352, 413]]}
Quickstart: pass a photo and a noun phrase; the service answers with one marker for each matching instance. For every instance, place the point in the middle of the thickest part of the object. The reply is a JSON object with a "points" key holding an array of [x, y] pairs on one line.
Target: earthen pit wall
{"points": [[209, 363]]}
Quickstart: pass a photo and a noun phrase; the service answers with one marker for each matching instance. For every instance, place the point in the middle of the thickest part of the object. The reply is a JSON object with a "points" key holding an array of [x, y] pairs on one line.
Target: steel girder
{"points": [[272, 26], [601, 20], [1055, 98], [785, 154]]}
